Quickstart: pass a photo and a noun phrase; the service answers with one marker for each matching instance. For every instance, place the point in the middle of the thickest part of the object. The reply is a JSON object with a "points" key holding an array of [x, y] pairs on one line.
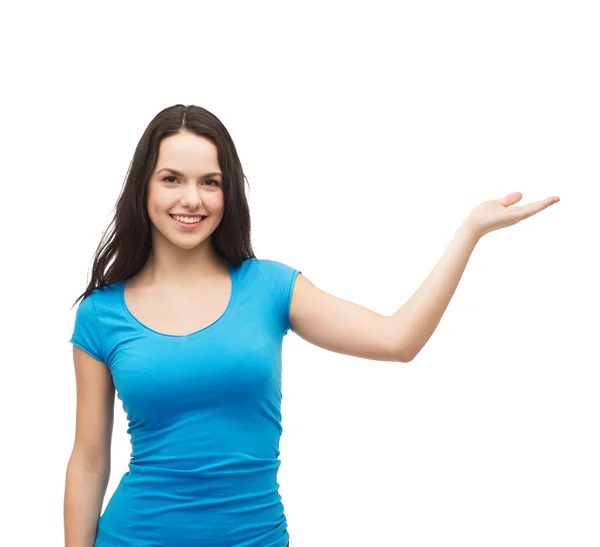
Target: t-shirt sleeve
{"points": [[280, 279], [86, 330]]}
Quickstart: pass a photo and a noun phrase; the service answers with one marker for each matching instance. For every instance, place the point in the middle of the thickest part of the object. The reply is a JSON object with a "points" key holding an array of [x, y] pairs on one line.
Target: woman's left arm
{"points": [[418, 318], [344, 327]]}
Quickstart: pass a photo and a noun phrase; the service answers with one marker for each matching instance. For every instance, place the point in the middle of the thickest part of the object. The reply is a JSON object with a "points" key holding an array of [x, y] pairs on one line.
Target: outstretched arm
{"points": [[418, 318], [344, 327]]}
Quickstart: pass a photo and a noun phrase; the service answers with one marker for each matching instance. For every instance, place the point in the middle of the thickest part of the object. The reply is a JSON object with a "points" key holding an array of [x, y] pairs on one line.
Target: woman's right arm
{"points": [[88, 469]]}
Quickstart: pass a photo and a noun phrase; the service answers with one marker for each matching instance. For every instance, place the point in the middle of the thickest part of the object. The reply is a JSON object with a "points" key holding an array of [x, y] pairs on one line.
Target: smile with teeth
{"points": [[188, 220]]}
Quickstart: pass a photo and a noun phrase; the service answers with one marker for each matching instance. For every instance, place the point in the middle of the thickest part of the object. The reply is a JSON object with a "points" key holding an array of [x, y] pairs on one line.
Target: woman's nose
{"points": [[192, 197]]}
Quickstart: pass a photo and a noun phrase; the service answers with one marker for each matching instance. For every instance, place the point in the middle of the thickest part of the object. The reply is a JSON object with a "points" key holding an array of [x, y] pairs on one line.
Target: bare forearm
{"points": [[84, 494], [417, 319]]}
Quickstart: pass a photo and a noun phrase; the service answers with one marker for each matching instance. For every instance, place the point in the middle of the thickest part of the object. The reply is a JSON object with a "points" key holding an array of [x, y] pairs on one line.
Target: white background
{"points": [[367, 131]]}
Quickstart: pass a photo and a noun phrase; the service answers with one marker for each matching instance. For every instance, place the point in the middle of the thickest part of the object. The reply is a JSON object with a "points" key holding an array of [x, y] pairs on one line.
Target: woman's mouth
{"points": [[187, 222]]}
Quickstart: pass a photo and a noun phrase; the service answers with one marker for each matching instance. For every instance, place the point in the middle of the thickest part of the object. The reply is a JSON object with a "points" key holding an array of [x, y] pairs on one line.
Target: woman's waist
{"points": [[225, 482], [143, 500]]}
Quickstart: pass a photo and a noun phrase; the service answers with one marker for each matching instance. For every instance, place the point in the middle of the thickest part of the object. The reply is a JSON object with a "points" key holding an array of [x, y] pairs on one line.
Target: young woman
{"points": [[185, 324]]}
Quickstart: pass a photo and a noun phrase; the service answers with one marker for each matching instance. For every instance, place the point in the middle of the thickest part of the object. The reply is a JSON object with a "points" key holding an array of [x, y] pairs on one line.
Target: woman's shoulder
{"points": [[105, 295], [264, 263]]}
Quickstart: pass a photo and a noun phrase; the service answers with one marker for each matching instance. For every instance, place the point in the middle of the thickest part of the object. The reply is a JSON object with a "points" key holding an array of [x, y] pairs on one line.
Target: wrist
{"points": [[471, 230]]}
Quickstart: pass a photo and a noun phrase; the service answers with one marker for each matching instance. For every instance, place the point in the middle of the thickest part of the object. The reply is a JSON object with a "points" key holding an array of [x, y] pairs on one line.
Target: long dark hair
{"points": [[126, 244]]}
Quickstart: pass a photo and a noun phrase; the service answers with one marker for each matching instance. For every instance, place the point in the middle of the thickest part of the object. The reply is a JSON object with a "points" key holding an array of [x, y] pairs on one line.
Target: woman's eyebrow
{"points": [[180, 174]]}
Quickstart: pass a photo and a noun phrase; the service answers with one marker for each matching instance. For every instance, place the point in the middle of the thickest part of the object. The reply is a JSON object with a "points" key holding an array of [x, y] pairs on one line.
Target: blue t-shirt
{"points": [[204, 416]]}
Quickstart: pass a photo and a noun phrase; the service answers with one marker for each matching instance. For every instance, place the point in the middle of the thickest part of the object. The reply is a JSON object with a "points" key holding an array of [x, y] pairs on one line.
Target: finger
{"points": [[510, 199], [526, 211]]}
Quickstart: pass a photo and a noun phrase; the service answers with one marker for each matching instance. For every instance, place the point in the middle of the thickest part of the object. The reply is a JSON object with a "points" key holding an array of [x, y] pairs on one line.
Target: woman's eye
{"points": [[169, 179]]}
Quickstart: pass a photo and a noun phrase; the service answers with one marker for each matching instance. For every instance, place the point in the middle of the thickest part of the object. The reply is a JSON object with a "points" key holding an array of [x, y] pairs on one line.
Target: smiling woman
{"points": [[186, 324]]}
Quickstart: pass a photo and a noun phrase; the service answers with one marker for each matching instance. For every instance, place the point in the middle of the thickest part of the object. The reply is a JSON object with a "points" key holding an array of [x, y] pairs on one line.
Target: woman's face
{"points": [[186, 181]]}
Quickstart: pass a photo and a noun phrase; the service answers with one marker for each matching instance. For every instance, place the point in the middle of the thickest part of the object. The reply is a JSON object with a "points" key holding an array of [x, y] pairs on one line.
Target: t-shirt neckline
{"points": [[180, 337]]}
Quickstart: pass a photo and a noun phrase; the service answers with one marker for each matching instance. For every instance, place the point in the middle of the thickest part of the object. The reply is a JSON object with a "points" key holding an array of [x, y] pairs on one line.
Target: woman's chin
{"points": [[190, 243]]}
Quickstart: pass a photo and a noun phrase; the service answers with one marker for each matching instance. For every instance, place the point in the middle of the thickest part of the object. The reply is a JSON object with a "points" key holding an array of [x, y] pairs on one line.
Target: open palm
{"points": [[498, 213]]}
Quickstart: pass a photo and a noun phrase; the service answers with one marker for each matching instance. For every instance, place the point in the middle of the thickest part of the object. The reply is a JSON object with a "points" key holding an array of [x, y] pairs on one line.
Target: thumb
{"points": [[511, 198]]}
